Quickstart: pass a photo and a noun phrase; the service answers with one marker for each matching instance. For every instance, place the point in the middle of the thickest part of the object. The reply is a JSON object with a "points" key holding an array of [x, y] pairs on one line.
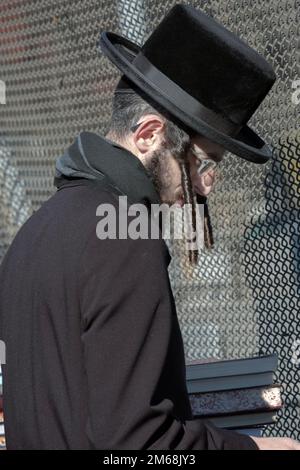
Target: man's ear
{"points": [[149, 134]]}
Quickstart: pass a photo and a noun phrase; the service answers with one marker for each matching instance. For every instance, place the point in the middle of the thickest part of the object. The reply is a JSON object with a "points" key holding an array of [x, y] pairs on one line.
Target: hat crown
{"points": [[210, 63]]}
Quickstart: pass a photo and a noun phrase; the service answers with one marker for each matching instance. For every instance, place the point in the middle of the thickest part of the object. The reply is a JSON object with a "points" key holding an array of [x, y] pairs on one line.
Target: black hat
{"points": [[202, 74]]}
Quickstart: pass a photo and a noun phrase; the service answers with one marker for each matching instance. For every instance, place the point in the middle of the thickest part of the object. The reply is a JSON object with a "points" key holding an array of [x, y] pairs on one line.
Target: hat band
{"points": [[182, 99]]}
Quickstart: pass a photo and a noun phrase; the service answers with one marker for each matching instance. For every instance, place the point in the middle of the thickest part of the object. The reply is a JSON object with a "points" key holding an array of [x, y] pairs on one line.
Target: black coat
{"points": [[95, 357]]}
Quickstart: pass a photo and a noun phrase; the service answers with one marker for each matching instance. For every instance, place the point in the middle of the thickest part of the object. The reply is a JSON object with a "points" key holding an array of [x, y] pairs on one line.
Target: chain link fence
{"points": [[242, 299]]}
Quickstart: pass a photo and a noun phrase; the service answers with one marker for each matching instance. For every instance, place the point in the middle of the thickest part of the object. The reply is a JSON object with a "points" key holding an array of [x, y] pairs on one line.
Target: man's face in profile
{"points": [[164, 170]]}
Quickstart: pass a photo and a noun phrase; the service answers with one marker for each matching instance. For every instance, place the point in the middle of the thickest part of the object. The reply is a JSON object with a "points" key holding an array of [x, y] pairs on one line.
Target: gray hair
{"points": [[130, 106]]}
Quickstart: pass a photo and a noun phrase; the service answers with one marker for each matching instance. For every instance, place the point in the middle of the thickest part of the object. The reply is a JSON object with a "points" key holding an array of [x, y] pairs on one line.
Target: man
{"points": [[95, 357]]}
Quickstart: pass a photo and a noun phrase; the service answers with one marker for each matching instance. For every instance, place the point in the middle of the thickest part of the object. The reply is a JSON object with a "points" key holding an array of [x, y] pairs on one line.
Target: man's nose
{"points": [[203, 183]]}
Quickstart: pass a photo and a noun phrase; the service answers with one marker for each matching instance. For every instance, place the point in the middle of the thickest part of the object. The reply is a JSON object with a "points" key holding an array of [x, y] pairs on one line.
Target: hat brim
{"points": [[246, 144]]}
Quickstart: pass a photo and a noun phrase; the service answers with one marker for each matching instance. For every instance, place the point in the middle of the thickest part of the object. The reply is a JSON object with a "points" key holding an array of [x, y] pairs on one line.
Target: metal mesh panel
{"points": [[243, 297]]}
